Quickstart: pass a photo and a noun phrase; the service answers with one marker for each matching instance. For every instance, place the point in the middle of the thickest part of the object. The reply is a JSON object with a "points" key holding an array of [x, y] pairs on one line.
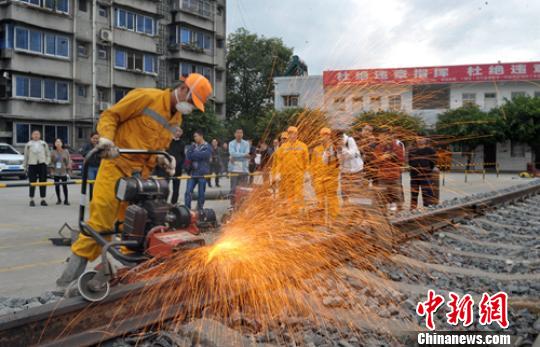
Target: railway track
{"points": [[74, 322]]}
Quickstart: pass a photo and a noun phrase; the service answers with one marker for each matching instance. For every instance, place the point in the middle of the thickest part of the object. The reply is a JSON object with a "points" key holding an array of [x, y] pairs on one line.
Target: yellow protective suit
{"points": [[325, 178], [127, 126], [291, 161]]}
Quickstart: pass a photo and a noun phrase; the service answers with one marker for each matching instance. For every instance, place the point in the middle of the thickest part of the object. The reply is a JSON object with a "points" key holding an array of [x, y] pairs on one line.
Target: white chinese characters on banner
{"points": [[518, 69], [362, 75], [474, 71], [400, 74], [342, 76], [420, 73], [440, 72], [496, 70], [381, 75]]}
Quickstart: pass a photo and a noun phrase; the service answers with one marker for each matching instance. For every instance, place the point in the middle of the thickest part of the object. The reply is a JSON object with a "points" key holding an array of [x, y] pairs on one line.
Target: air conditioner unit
{"points": [[105, 35], [103, 105]]}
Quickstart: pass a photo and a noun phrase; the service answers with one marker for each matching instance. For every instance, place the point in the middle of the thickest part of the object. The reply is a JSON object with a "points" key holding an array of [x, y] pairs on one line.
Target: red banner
{"points": [[436, 74]]}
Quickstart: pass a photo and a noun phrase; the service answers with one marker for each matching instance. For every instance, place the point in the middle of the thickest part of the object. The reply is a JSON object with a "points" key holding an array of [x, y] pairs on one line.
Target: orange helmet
{"points": [[284, 135], [200, 89], [325, 131], [292, 129]]}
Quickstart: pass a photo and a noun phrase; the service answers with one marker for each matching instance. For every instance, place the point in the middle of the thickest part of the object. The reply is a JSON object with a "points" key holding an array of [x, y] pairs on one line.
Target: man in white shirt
{"points": [[351, 166]]}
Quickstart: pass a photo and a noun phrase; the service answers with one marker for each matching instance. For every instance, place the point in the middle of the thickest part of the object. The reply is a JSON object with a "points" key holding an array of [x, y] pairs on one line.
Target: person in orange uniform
{"points": [[324, 168], [291, 163], [144, 119]]}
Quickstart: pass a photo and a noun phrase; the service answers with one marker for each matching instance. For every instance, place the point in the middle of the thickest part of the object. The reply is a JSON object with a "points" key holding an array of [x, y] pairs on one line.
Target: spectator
{"points": [[264, 154], [215, 162], [177, 148], [422, 162], [351, 166], [390, 161], [199, 155], [367, 144], [252, 165], [275, 145], [238, 161], [60, 170], [94, 162], [224, 157], [36, 159]]}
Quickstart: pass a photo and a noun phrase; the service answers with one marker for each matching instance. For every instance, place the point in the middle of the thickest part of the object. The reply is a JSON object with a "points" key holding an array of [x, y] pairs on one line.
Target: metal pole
{"points": [[94, 48]]}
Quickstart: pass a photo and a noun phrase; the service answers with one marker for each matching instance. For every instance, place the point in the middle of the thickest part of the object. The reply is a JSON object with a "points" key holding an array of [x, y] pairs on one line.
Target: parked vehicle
{"points": [[11, 162], [76, 163]]}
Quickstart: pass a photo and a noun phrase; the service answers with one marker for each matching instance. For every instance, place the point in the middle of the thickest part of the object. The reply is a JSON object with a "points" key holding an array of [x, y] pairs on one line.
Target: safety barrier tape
{"points": [[79, 181]]}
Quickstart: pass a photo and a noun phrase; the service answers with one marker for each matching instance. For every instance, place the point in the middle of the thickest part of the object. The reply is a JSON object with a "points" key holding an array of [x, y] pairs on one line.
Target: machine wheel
{"points": [[87, 291]]}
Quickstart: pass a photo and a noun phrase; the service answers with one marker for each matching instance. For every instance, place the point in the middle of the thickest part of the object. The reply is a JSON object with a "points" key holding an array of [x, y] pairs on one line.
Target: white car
{"points": [[11, 162]]}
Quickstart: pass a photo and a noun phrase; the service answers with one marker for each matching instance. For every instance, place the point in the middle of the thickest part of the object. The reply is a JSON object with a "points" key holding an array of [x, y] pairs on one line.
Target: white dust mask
{"points": [[183, 107]]}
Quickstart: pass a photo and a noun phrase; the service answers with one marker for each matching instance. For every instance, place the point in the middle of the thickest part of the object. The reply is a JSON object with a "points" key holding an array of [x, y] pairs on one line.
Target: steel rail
{"points": [[76, 322]]}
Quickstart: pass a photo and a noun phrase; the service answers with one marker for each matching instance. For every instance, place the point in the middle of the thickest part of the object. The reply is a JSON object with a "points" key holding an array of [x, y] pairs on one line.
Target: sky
{"points": [[349, 34]]}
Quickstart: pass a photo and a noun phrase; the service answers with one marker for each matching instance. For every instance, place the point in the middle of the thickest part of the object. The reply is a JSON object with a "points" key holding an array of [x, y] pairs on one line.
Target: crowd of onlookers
{"points": [[337, 162]]}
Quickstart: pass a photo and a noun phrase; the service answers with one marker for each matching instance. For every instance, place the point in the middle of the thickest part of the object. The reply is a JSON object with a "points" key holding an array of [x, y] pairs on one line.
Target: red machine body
{"points": [[162, 243]]}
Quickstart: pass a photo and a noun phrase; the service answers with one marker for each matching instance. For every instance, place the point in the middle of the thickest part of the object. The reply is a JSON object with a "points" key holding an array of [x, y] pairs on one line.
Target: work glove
{"points": [[168, 165], [107, 148]]}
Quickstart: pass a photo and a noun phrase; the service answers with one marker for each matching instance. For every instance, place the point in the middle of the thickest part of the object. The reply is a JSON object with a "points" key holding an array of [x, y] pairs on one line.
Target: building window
{"points": [[431, 97], [375, 103], [41, 89], [517, 94], [219, 108], [187, 68], [83, 5], [195, 38], [220, 43], [61, 6], [290, 100], [135, 22], [39, 42], [394, 102], [219, 76], [490, 100], [103, 11], [199, 7], [82, 50], [135, 61], [119, 93], [120, 59], [81, 90], [50, 132], [102, 52], [468, 99], [517, 149]]}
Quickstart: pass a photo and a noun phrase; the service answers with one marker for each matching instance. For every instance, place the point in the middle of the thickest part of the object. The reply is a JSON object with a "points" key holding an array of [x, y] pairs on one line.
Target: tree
{"points": [[471, 127], [208, 122], [521, 118], [402, 124], [252, 63]]}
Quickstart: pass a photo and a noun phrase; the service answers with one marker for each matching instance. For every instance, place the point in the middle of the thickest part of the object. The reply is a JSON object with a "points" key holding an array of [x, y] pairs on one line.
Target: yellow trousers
{"points": [[105, 209], [291, 190], [326, 190]]}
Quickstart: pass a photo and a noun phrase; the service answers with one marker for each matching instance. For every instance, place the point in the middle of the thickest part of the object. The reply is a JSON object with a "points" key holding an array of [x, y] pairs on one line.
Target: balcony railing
{"points": [[202, 8]]}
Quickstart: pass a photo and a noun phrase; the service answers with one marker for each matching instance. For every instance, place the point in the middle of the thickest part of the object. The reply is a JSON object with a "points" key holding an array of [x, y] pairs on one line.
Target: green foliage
{"points": [[208, 122], [273, 122], [521, 120], [399, 122], [470, 126], [252, 63]]}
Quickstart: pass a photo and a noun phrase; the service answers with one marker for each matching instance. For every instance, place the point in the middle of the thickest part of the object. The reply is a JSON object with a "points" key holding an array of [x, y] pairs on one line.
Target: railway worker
{"points": [[145, 118], [324, 169], [291, 163]]}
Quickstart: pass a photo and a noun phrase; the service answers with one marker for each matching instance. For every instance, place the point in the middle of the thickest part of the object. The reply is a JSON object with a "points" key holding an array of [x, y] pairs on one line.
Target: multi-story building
{"points": [[62, 62], [422, 91]]}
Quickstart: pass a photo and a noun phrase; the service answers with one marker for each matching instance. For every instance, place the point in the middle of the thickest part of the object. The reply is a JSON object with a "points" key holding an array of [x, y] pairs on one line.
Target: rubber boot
{"points": [[75, 267]]}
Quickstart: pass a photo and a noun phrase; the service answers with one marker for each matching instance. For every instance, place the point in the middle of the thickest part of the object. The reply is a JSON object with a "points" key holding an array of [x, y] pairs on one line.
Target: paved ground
{"points": [[29, 264]]}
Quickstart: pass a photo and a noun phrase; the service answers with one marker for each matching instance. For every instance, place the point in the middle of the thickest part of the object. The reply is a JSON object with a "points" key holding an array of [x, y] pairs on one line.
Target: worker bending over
{"points": [[290, 163], [144, 119], [324, 167]]}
